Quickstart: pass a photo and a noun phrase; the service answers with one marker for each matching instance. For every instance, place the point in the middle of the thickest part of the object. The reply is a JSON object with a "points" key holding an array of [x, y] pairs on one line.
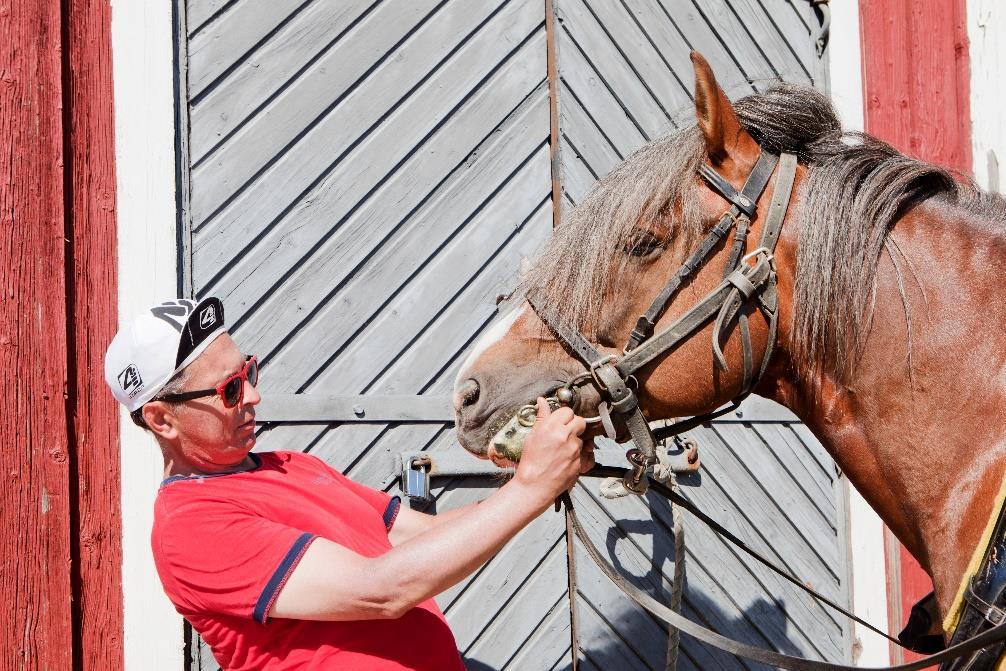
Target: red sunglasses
{"points": [[231, 390]]}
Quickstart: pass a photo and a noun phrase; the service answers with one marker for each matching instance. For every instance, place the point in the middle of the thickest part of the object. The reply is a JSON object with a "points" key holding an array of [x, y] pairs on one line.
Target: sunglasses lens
{"points": [[232, 392], [253, 373]]}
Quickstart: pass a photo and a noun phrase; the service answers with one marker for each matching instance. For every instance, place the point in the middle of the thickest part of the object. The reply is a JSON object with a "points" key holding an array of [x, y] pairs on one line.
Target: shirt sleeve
{"points": [[219, 558]]}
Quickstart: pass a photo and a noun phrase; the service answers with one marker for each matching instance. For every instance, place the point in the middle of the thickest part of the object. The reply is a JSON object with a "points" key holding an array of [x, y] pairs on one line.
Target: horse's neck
{"points": [[924, 442]]}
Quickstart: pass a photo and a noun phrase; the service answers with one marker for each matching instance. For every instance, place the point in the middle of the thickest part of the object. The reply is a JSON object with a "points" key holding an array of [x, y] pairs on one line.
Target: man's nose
{"points": [[251, 395]]}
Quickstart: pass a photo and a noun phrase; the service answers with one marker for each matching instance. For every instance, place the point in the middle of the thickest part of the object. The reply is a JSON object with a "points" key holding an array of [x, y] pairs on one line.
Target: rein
{"points": [[746, 279]]}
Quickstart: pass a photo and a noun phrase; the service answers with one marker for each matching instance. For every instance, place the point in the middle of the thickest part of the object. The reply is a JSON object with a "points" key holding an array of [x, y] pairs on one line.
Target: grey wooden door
{"points": [[362, 178]]}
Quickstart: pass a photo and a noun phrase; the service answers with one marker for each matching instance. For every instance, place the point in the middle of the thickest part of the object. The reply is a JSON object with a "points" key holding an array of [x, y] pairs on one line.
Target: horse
{"points": [[886, 344]]}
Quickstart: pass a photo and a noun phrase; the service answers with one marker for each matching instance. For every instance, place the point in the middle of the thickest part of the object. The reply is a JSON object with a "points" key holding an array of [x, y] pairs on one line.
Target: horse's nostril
{"points": [[468, 392]]}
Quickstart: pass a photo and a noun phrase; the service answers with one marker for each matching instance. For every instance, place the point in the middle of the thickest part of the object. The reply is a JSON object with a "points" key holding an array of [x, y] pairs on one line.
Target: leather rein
{"points": [[747, 279]]}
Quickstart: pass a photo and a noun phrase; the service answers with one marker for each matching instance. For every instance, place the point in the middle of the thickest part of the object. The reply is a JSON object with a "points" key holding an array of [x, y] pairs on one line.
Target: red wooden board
{"points": [[35, 498], [916, 94], [61, 543], [92, 302]]}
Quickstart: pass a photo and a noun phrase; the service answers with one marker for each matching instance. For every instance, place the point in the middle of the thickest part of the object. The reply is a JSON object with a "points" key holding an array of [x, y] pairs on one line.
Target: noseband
{"points": [[748, 278]]}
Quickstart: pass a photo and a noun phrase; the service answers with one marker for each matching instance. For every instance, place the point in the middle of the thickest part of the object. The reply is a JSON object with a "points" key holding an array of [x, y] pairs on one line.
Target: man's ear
{"points": [[161, 419], [716, 117]]}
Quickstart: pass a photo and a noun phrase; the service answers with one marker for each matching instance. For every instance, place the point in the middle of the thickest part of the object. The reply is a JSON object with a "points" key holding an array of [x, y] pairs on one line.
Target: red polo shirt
{"points": [[224, 546]]}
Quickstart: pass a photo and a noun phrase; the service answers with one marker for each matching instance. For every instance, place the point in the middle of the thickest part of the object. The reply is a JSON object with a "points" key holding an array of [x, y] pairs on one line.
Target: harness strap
{"points": [[579, 346], [742, 211], [740, 242], [668, 339], [646, 322], [750, 652]]}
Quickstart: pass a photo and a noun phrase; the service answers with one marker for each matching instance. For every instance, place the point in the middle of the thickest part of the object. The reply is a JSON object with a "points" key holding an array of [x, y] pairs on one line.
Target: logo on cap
{"points": [[130, 380], [207, 317]]}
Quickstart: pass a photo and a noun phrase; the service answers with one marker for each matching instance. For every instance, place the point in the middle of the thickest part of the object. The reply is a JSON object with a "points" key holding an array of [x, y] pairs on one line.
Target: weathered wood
{"points": [[286, 60], [747, 474], [449, 348], [372, 408], [604, 56], [91, 303], [722, 20], [279, 153], [648, 65], [712, 566], [792, 456], [378, 235], [228, 40], [499, 585], [201, 11], [37, 495], [350, 181], [505, 635], [674, 25], [781, 37], [586, 141], [577, 80], [546, 643]]}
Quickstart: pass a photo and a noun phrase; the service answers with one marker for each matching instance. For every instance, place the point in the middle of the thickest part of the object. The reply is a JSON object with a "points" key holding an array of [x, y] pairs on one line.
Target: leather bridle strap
{"points": [[743, 208], [690, 322], [609, 382], [751, 652]]}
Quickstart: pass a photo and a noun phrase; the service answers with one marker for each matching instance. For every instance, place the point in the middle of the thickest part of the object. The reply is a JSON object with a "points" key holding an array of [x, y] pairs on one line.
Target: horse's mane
{"points": [[856, 188]]}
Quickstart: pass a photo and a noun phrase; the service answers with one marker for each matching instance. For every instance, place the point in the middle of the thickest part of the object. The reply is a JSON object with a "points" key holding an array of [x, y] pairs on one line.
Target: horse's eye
{"points": [[643, 244]]}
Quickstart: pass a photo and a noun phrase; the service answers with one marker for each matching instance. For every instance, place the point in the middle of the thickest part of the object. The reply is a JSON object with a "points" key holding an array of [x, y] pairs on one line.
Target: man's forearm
{"points": [[432, 561]]}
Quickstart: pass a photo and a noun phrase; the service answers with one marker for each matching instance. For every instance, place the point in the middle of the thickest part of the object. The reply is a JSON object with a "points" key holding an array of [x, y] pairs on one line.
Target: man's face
{"points": [[210, 434]]}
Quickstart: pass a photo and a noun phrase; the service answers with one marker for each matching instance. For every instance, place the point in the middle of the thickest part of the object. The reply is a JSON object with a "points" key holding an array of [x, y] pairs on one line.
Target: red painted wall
{"points": [[916, 93], [92, 301], [61, 544]]}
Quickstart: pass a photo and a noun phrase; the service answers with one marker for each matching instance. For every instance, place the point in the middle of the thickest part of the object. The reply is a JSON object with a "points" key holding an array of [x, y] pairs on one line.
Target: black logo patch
{"points": [[130, 380], [208, 317]]}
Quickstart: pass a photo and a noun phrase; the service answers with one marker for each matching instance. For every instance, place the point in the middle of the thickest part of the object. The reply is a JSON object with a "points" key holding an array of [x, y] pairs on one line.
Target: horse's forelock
{"points": [[585, 255]]}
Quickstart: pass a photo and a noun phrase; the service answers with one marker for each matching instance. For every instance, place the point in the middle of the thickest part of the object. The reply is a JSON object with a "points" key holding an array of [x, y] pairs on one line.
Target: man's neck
{"points": [[174, 466]]}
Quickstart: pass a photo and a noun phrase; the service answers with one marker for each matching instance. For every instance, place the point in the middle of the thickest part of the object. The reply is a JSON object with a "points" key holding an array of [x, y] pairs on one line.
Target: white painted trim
{"points": [[986, 20], [142, 61], [866, 531]]}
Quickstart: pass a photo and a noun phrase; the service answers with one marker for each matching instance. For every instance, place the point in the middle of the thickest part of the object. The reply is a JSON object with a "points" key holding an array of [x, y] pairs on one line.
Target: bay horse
{"points": [[889, 344]]}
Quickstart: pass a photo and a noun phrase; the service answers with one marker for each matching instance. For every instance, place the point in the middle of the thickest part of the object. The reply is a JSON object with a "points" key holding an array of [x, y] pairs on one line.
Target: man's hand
{"points": [[553, 454]]}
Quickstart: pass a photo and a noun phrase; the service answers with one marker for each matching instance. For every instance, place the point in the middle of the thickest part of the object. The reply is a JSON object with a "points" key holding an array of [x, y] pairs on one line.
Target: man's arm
{"points": [[410, 523], [333, 583]]}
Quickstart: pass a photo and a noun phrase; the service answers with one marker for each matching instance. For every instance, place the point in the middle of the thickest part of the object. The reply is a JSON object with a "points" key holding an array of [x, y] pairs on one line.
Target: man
{"points": [[279, 561]]}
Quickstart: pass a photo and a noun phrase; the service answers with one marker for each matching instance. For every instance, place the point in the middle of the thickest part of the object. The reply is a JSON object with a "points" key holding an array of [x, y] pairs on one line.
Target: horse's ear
{"points": [[715, 114]]}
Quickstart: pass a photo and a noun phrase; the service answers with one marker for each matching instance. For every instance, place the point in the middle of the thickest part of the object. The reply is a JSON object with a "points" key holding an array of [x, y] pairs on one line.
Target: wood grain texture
{"points": [[916, 78], [916, 90], [35, 575], [91, 300]]}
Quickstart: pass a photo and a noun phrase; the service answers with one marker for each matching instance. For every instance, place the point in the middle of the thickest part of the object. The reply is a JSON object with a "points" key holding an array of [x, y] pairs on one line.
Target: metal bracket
{"points": [[686, 458], [416, 468]]}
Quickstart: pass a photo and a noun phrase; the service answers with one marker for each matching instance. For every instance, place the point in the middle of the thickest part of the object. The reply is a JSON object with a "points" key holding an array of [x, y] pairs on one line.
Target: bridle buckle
{"points": [[761, 251], [604, 361]]}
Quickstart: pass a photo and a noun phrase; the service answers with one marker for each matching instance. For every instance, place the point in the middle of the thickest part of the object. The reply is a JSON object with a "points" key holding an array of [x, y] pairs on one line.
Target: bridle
{"points": [[747, 278]]}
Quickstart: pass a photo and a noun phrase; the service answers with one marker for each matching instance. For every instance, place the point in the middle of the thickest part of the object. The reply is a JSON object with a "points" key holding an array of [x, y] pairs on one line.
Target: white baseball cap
{"points": [[147, 352]]}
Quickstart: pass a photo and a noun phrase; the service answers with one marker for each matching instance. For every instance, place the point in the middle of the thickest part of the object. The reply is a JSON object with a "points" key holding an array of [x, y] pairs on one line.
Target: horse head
{"points": [[614, 253]]}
